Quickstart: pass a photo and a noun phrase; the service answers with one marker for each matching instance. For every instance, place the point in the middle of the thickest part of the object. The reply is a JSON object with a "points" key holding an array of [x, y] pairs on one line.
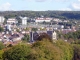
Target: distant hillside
{"points": [[73, 15]]}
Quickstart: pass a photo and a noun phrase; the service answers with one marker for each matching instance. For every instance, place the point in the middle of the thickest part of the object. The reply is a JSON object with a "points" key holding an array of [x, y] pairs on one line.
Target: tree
{"points": [[26, 38], [18, 52], [45, 50], [27, 29], [44, 36], [17, 30], [66, 48], [1, 50], [76, 52], [40, 50], [34, 29], [73, 35], [1, 54], [1, 29], [1, 46]]}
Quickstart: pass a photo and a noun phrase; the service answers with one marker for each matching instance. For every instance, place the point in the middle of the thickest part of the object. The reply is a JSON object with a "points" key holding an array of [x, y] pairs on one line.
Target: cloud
{"points": [[75, 5], [40, 0], [51, 0], [78, 0], [48, 0], [5, 6], [35, 0], [61, 0], [66, 9]]}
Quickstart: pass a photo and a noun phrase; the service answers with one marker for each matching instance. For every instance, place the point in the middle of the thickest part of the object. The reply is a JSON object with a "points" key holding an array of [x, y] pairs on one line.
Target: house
{"points": [[57, 20], [43, 19], [8, 27], [15, 37], [12, 21]]}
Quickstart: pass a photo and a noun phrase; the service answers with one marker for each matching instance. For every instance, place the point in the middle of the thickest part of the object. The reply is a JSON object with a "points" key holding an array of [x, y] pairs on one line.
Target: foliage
{"points": [[59, 35], [66, 48], [26, 38], [10, 45], [17, 30], [56, 14], [1, 46], [18, 52], [76, 52], [72, 35], [1, 53], [1, 29], [45, 50], [43, 36], [27, 29], [19, 20], [34, 29], [40, 50]]}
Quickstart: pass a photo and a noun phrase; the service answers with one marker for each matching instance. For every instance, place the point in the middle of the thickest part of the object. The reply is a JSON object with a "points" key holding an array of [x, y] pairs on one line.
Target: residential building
{"points": [[8, 27], [57, 20], [43, 20], [12, 21], [2, 19], [24, 20]]}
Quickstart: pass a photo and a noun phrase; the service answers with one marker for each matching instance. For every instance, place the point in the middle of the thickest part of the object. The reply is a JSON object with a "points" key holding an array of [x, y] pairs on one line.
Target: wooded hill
{"points": [[71, 15]]}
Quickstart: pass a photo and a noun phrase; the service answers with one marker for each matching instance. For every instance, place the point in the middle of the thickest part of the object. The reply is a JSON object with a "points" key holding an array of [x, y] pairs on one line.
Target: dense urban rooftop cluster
{"points": [[14, 31]]}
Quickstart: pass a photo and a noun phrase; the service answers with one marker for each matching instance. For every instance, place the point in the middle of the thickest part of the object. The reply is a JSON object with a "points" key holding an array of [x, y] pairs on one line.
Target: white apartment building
{"points": [[24, 20], [43, 19], [2, 19], [12, 20]]}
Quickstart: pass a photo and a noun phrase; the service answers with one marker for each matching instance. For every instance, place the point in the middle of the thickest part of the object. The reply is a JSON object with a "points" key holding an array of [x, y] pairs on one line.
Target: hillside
{"points": [[71, 15]]}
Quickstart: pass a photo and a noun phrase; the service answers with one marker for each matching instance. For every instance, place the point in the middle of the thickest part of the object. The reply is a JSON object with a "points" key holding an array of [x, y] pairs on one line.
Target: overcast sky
{"points": [[40, 5]]}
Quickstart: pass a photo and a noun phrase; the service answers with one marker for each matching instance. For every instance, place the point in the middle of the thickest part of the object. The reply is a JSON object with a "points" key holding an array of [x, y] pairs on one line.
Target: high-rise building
{"points": [[24, 20]]}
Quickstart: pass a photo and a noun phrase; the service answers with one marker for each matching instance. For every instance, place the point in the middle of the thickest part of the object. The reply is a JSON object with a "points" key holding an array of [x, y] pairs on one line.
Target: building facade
{"points": [[54, 35], [43, 19], [12, 21], [35, 35], [24, 20], [2, 19]]}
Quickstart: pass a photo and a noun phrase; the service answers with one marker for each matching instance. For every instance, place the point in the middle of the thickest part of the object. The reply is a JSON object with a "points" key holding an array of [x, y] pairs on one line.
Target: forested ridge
{"points": [[71, 15]]}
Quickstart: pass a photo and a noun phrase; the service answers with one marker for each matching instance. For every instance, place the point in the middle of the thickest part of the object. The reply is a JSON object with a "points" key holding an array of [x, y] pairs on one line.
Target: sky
{"points": [[40, 5]]}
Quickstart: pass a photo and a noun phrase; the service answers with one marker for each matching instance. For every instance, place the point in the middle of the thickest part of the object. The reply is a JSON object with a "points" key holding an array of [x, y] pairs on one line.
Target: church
{"points": [[34, 35]]}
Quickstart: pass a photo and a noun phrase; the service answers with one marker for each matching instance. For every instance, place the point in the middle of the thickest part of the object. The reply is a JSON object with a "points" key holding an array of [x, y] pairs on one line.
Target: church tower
{"points": [[54, 35]]}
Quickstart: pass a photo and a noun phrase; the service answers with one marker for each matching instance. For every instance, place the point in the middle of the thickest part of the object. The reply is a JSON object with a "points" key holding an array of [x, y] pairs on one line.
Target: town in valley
{"points": [[14, 31]]}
